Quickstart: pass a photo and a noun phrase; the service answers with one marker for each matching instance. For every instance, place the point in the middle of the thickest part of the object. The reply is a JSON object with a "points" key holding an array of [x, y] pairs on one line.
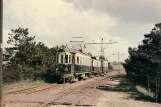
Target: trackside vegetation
{"points": [[27, 59], [144, 63], [125, 85]]}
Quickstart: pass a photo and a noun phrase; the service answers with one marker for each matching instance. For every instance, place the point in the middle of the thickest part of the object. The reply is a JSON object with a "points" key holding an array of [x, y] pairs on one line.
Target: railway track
{"points": [[78, 94], [33, 89], [66, 94], [81, 94]]}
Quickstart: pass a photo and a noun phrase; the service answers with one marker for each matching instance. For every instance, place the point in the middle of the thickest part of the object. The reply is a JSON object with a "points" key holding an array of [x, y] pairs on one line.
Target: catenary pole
{"points": [[118, 58], [102, 50]]}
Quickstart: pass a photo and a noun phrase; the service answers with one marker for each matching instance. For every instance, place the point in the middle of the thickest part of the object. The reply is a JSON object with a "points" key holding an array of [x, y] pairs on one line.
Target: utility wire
{"points": [[79, 9], [23, 1], [74, 4], [82, 14], [88, 13], [90, 2], [83, 5]]}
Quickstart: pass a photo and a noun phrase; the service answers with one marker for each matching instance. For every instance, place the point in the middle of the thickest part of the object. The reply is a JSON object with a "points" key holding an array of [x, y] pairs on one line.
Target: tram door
{"points": [[92, 67], [73, 63]]}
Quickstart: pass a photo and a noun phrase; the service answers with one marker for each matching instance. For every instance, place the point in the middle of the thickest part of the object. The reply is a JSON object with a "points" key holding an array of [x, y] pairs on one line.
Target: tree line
{"points": [[26, 58], [144, 63]]}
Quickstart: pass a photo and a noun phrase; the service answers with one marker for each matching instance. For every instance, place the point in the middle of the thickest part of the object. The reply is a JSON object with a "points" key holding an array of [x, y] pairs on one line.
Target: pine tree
{"points": [[26, 58], [144, 62]]}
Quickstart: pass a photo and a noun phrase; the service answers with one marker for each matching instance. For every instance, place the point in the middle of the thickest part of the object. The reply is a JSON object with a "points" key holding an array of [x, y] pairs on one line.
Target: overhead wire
{"points": [[82, 14], [98, 29], [79, 9], [88, 12], [23, 1], [83, 5], [28, 5], [75, 6], [73, 2], [90, 2]]}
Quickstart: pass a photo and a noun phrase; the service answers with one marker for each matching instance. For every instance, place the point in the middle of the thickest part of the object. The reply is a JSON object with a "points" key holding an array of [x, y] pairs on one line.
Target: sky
{"points": [[54, 22]]}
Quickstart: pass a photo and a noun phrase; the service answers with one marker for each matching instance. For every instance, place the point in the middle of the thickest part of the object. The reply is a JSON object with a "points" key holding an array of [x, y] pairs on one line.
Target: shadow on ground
{"points": [[127, 87]]}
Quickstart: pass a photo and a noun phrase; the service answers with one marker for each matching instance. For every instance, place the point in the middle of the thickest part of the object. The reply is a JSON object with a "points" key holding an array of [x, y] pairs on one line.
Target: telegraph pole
{"points": [[102, 54], [102, 50], [118, 62], [1, 25]]}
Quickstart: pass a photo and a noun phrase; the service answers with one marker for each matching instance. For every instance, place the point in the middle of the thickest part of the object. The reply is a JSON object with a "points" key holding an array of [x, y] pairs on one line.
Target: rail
{"points": [[93, 85]]}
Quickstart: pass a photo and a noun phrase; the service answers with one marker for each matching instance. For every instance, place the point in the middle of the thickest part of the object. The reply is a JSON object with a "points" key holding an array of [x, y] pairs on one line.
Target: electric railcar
{"points": [[73, 64]]}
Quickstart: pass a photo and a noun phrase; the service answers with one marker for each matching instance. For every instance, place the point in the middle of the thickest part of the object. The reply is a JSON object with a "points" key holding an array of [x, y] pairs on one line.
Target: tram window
{"points": [[80, 60], [69, 58], [57, 58], [61, 61], [66, 58], [84, 61], [77, 60]]}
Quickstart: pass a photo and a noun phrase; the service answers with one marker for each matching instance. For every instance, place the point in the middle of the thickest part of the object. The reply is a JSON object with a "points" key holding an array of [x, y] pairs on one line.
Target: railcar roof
{"points": [[72, 51]]}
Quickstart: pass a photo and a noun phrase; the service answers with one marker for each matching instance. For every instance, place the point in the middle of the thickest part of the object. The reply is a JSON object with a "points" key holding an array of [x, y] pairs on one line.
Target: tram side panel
{"points": [[96, 66], [82, 65]]}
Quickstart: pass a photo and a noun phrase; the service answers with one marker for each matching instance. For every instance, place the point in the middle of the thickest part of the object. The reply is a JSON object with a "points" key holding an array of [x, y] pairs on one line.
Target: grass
{"points": [[22, 84], [136, 92]]}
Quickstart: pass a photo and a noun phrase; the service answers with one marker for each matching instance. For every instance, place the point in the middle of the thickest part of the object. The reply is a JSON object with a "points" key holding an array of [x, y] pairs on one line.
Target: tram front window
{"points": [[61, 61], [66, 58], [69, 58], [57, 58]]}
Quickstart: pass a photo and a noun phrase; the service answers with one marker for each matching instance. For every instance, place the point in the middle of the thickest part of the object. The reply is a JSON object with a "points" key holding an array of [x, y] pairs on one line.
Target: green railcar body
{"points": [[73, 63]]}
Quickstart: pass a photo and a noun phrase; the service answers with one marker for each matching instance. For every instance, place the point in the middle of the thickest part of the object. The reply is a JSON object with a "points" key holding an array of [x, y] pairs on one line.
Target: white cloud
{"points": [[5, 37], [138, 11], [54, 22]]}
